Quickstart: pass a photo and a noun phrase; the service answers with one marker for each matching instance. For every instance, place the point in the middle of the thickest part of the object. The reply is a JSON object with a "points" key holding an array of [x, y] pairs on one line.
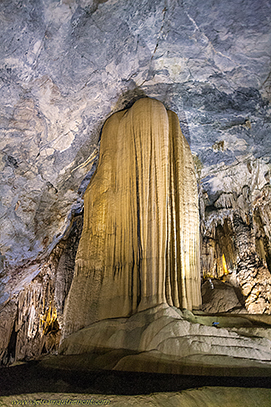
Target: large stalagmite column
{"points": [[140, 240]]}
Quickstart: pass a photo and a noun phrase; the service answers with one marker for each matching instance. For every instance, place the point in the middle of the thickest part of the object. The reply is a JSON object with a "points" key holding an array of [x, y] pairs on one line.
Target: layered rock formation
{"points": [[139, 255], [163, 340], [140, 241], [65, 67]]}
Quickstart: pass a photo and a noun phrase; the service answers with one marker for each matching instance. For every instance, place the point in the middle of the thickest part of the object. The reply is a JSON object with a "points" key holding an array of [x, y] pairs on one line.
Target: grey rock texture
{"points": [[67, 65]]}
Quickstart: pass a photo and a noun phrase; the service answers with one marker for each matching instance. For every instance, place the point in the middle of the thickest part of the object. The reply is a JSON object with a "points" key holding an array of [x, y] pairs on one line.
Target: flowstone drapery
{"points": [[138, 262], [140, 242]]}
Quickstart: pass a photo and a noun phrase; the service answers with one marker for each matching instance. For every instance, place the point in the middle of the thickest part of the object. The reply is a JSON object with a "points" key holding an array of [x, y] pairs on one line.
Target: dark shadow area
{"points": [[31, 378]]}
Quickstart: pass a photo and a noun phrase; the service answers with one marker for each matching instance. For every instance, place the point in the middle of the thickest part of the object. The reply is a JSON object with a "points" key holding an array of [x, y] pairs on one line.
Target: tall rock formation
{"points": [[140, 242]]}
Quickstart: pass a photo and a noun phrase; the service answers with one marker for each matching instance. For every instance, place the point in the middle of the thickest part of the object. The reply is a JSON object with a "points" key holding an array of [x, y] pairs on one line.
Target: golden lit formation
{"points": [[224, 265], [140, 242], [49, 320]]}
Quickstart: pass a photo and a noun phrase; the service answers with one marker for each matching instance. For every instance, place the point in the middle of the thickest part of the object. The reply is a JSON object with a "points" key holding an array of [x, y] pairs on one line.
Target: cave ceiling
{"points": [[67, 65]]}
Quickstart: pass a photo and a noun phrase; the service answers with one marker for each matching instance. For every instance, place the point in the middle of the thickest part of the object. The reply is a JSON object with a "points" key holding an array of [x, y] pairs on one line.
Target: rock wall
{"points": [[66, 66], [236, 243], [31, 323]]}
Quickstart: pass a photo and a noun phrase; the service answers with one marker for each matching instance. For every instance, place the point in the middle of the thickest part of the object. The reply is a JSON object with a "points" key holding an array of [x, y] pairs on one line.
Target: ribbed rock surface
{"points": [[67, 66], [140, 241]]}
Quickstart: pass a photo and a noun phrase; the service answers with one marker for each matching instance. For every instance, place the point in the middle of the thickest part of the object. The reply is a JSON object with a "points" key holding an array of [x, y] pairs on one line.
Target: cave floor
{"points": [[30, 383], [31, 377], [68, 379]]}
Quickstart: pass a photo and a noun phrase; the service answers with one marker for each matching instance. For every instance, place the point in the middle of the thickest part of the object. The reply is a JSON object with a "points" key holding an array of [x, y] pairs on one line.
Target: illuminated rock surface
{"points": [[161, 340], [139, 250], [140, 241], [65, 68]]}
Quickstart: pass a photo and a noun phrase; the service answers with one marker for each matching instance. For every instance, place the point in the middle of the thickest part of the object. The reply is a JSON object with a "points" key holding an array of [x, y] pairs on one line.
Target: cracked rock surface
{"points": [[67, 66]]}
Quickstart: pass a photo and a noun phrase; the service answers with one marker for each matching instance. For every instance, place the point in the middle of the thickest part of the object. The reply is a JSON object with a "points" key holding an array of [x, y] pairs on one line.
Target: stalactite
{"points": [[140, 241], [30, 324], [239, 228], [218, 253], [262, 225]]}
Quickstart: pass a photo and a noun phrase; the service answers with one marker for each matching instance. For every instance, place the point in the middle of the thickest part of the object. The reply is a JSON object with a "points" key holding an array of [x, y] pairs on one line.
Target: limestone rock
{"points": [[235, 244], [219, 297], [211, 396], [66, 66], [8, 316], [255, 282], [140, 241], [31, 323], [161, 339]]}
